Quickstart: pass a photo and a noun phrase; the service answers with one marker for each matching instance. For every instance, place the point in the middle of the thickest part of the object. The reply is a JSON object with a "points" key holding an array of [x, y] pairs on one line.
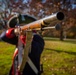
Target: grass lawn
{"points": [[6, 53], [58, 57]]}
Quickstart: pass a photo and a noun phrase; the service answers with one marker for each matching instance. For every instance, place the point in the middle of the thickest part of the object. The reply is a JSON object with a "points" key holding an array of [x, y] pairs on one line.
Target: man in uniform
{"points": [[37, 43]]}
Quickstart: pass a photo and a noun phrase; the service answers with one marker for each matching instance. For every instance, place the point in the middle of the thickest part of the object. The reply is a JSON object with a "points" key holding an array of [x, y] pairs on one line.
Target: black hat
{"points": [[20, 19]]}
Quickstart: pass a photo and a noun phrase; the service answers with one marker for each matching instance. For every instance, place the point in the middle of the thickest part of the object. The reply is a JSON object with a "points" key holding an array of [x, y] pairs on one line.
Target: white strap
{"points": [[32, 66]]}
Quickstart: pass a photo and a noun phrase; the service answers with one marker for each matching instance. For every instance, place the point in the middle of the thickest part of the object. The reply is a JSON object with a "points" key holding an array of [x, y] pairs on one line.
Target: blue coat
{"points": [[36, 50]]}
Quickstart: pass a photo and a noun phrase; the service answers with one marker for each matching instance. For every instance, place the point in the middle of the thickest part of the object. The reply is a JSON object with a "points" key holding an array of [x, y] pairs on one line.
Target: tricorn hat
{"points": [[20, 19]]}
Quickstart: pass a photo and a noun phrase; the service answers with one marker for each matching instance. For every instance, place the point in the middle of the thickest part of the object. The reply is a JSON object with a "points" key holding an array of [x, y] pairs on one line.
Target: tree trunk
{"points": [[61, 35]]}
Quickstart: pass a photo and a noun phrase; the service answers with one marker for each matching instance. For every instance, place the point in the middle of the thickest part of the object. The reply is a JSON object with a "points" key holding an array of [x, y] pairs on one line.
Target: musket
{"points": [[57, 17], [36, 25]]}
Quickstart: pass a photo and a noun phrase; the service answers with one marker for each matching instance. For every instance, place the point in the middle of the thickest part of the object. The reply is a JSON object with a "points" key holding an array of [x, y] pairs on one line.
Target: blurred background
{"points": [[41, 9]]}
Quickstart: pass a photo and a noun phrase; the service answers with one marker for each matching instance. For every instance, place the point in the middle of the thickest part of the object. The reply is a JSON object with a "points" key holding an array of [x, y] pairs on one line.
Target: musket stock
{"points": [[57, 17]]}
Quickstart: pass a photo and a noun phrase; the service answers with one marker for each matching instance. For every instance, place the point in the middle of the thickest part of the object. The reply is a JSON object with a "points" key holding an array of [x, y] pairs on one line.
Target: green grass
{"points": [[6, 53], [58, 57]]}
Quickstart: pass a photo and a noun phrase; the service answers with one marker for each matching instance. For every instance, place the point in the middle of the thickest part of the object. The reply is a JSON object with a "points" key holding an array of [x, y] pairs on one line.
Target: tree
{"points": [[43, 8]]}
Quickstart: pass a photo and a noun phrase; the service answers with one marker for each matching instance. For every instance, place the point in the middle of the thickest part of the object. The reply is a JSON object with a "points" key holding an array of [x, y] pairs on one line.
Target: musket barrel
{"points": [[44, 22], [54, 17]]}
